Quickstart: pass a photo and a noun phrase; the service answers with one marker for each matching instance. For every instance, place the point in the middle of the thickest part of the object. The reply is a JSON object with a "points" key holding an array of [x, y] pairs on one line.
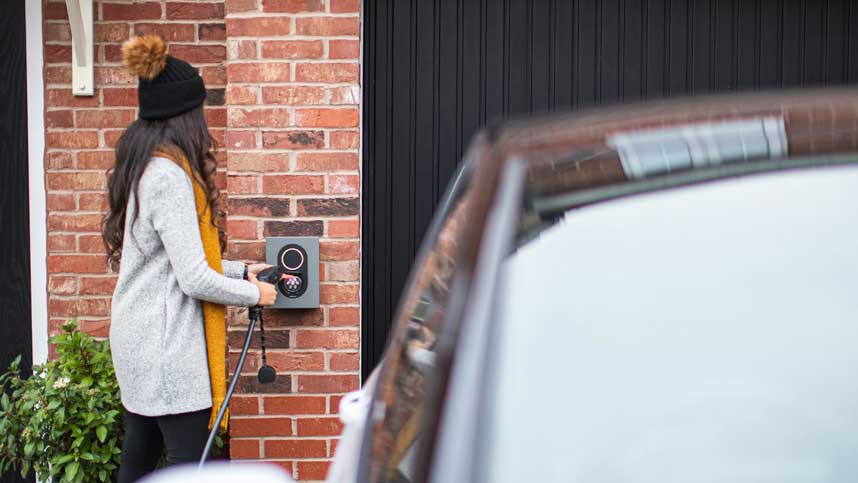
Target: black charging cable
{"points": [[266, 373]]}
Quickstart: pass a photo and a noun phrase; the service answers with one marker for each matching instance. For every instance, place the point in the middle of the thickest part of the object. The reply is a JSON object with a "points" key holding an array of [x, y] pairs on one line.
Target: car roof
{"points": [[572, 152], [817, 110]]}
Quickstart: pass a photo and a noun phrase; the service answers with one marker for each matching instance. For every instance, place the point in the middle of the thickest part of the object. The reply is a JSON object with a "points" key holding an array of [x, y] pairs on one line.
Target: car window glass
{"points": [[410, 360], [701, 334]]}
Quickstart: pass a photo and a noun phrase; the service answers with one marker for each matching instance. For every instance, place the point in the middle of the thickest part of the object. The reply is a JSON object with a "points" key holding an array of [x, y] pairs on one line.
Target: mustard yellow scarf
{"points": [[214, 314]]}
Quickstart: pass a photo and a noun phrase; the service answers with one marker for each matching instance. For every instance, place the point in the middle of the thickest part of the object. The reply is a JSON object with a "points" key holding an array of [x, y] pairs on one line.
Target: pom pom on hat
{"points": [[145, 56]]}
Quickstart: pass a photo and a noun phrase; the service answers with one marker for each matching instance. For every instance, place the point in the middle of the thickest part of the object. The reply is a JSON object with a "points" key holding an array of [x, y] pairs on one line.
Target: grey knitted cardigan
{"points": [[157, 329]]}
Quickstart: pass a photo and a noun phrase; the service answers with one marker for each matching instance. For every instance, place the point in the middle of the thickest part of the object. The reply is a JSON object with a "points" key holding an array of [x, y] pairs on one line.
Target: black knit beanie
{"points": [[167, 86]]}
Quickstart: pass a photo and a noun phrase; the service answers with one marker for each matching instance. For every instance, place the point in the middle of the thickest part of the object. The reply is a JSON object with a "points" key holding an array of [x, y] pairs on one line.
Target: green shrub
{"points": [[64, 421]]}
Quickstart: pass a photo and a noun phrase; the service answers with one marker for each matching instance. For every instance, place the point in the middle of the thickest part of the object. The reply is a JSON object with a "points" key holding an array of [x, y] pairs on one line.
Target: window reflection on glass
{"points": [[410, 361], [664, 150]]}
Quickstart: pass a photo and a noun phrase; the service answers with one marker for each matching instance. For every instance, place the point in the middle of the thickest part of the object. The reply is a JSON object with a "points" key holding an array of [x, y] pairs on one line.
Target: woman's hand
{"points": [[267, 292], [254, 269]]}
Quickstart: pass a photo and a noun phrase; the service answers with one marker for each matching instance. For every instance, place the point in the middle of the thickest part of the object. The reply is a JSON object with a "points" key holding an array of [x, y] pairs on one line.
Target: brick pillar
{"points": [[293, 135], [82, 132]]}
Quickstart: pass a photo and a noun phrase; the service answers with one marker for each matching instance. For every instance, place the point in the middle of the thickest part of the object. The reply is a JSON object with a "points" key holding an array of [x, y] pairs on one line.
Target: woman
{"points": [[168, 335]]}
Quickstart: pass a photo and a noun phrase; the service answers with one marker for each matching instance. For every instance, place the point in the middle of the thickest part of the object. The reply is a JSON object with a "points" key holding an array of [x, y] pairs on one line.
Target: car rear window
{"points": [[702, 334]]}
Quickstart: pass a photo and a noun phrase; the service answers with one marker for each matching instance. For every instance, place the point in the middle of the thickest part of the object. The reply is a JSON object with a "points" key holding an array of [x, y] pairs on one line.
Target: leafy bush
{"points": [[65, 421]]}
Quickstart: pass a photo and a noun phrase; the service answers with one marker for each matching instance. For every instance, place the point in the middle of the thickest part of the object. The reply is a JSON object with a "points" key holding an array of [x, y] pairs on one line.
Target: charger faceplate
{"points": [[299, 257]]}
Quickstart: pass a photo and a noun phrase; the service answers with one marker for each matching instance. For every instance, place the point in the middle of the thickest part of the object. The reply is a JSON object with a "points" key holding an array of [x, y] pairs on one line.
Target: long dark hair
{"points": [[187, 133]]}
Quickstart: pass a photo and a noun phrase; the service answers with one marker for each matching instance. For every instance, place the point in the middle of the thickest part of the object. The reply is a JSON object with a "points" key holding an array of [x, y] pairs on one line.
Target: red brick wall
{"points": [[284, 93], [293, 135], [82, 132]]}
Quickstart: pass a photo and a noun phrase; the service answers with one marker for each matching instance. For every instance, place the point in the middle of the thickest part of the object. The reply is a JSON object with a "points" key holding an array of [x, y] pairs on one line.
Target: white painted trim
{"points": [[38, 209], [361, 127]]}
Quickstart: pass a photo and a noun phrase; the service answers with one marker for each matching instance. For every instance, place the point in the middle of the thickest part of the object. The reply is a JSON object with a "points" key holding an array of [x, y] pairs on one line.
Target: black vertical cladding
{"points": [[814, 42], [402, 155], [425, 130], [519, 57], [540, 55], [678, 47], [792, 42], [15, 328], [747, 46], [852, 44], [437, 70], [655, 55], [609, 49], [835, 30], [725, 51], [493, 52], [632, 63], [586, 51], [702, 42], [771, 43]]}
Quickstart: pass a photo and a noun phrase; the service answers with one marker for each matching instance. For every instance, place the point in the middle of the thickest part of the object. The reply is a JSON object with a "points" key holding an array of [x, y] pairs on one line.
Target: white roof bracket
{"points": [[83, 51]]}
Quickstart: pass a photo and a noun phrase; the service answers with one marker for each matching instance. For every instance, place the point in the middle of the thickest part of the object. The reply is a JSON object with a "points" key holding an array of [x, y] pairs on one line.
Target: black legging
{"points": [[184, 436]]}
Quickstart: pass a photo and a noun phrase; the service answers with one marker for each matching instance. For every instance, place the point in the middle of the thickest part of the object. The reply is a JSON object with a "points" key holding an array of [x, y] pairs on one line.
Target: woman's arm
{"points": [[168, 191], [233, 269]]}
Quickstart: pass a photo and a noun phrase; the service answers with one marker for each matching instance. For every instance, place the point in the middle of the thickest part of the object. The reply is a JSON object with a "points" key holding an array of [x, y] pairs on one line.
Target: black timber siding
{"points": [[15, 325], [437, 70]]}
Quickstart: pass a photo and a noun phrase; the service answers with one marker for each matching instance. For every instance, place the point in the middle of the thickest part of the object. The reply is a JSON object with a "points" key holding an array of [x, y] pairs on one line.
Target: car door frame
{"points": [[475, 160], [457, 431]]}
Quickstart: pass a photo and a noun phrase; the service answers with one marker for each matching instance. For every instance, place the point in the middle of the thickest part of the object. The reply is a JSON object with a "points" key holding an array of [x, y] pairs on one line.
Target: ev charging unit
{"points": [[297, 256]]}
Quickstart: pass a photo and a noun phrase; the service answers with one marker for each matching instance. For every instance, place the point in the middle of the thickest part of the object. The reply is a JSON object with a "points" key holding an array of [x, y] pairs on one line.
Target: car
{"points": [[663, 292], [653, 293]]}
